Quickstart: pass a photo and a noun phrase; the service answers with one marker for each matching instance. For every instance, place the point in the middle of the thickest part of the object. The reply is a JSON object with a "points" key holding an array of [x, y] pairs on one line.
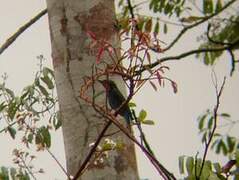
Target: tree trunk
{"points": [[69, 21]]}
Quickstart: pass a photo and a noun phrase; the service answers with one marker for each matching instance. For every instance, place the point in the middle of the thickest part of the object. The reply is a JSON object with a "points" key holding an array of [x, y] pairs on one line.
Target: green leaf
{"points": [[43, 90], [131, 104], [165, 28], [148, 122], [142, 115], [210, 122], [148, 25], [151, 4], [225, 115], [224, 148], [201, 122], [37, 82], [43, 137], [120, 3], [168, 8], [12, 109], [204, 137], [13, 173], [23, 175], [30, 138], [207, 58], [140, 23], [207, 169], [237, 157], [107, 147], [4, 173], [207, 6], [48, 82], [213, 176], [215, 143], [231, 143], [191, 19], [57, 120], [218, 147], [221, 147], [11, 131], [38, 138], [162, 5], [198, 165], [2, 106], [181, 164], [156, 28], [218, 5], [190, 165], [217, 167], [46, 136], [10, 92], [47, 71]]}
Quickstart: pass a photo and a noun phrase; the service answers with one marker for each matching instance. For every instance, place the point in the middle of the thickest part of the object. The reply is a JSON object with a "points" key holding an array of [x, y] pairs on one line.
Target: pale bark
{"points": [[72, 59]]}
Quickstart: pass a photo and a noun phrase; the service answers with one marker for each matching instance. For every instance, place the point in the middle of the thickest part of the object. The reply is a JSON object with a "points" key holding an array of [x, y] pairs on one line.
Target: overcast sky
{"points": [[175, 115]]}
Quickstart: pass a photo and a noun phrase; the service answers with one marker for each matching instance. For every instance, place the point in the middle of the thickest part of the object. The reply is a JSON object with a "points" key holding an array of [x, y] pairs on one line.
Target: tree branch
{"points": [[12, 38], [160, 168], [213, 40], [223, 44], [111, 117], [88, 157], [131, 9], [188, 53], [208, 143], [184, 30]]}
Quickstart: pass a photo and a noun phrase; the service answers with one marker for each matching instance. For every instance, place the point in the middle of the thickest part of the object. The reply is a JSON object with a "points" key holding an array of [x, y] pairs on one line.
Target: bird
{"points": [[115, 99]]}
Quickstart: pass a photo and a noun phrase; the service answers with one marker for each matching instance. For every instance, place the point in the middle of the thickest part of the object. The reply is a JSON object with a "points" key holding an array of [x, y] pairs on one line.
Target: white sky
{"points": [[175, 132]]}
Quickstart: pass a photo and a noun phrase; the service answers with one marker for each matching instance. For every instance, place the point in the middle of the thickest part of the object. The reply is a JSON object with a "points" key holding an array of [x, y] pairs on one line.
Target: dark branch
{"points": [[215, 41], [131, 9], [11, 39], [215, 117], [184, 30], [88, 157], [223, 44], [233, 61], [111, 117], [185, 54]]}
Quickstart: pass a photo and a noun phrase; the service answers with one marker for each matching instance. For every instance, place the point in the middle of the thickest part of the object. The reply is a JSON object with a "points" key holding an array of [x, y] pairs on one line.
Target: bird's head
{"points": [[108, 84]]}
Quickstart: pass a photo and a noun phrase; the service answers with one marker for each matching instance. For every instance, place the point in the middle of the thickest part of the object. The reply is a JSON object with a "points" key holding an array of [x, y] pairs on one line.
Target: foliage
{"points": [[26, 115], [14, 174], [167, 7], [222, 143], [221, 35]]}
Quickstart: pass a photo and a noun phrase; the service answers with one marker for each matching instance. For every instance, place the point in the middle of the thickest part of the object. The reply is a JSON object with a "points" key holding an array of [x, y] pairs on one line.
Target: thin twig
{"points": [[142, 135], [100, 136], [12, 38], [59, 164], [215, 117], [131, 9], [51, 154], [27, 168]]}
